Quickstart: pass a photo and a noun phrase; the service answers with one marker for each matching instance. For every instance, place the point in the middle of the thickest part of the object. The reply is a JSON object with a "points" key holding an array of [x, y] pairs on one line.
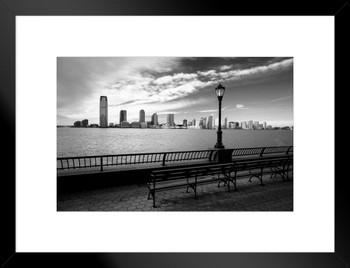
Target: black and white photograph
{"points": [[175, 134]]}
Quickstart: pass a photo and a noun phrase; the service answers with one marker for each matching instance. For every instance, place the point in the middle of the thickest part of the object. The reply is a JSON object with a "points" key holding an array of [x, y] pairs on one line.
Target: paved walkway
{"points": [[275, 195]]}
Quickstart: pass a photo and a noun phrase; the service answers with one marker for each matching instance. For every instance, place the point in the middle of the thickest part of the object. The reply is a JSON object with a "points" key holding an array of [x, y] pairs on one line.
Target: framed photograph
{"points": [[156, 135]]}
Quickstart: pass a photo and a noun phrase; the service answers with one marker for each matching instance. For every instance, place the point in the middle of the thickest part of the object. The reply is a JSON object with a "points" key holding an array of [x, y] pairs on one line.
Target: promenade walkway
{"points": [[275, 195]]}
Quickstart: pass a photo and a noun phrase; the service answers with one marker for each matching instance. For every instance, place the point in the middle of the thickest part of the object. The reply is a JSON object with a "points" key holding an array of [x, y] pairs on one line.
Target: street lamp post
{"points": [[219, 90]]}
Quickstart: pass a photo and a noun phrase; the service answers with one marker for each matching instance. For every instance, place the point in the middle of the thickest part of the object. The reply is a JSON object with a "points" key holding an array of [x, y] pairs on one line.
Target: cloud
{"points": [[225, 67], [208, 111], [239, 106], [79, 79], [180, 78], [248, 73], [281, 99], [210, 73]]}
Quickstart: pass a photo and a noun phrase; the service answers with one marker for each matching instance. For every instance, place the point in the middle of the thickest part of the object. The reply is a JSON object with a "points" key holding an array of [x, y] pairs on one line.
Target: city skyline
{"points": [[259, 89], [204, 122]]}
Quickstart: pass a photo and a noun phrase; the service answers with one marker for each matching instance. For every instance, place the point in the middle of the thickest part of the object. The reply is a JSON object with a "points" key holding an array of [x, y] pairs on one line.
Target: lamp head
{"points": [[220, 90]]}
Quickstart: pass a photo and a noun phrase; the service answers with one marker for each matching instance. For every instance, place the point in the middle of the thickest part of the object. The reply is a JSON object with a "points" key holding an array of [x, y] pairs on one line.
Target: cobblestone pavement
{"points": [[275, 195]]}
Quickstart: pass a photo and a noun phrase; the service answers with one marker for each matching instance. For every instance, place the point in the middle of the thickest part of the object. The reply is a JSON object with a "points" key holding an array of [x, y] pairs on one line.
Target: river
{"points": [[101, 141]]}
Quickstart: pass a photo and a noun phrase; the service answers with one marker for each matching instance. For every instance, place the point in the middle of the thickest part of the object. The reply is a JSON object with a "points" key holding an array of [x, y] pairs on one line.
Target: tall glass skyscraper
{"points": [[170, 120], [210, 122], [154, 119], [142, 116], [122, 117], [103, 111]]}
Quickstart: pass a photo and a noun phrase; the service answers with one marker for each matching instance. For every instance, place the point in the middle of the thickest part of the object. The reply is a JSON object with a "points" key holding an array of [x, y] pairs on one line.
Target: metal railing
{"points": [[261, 151], [102, 161]]}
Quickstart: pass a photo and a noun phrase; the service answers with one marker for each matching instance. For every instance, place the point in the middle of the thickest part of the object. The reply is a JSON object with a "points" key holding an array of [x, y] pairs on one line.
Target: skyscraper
{"points": [[194, 122], [225, 124], [184, 122], [103, 112], [170, 120], [256, 124], [122, 117], [250, 124], [154, 120], [142, 116], [264, 125], [204, 122], [210, 122]]}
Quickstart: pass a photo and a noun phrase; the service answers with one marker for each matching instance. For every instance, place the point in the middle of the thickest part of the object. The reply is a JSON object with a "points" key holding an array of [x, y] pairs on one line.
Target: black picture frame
{"points": [[9, 9]]}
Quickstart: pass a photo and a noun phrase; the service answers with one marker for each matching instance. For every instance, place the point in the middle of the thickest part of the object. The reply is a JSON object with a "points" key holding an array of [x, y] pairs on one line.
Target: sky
{"points": [[256, 88]]}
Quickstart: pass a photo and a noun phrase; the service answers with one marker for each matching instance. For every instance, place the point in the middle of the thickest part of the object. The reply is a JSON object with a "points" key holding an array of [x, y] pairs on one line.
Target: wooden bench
{"points": [[257, 167], [191, 177]]}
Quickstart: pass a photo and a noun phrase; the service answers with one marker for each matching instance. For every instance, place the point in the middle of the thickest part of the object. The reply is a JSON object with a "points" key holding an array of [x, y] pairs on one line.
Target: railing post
{"points": [[101, 163], [211, 153], [164, 156], [262, 151]]}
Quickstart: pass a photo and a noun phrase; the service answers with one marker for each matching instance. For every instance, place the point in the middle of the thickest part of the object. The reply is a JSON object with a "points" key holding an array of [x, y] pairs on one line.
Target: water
{"points": [[99, 141]]}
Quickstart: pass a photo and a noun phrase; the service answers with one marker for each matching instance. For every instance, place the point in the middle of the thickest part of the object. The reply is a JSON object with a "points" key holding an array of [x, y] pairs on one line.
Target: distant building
{"points": [[193, 122], [231, 125], [103, 111], [170, 120], [122, 117], [250, 124], [264, 125], [256, 125], [111, 125], [210, 122], [184, 122], [85, 123], [124, 124], [154, 120], [225, 123], [203, 122], [77, 124], [142, 116], [143, 125], [216, 123], [93, 125], [135, 124], [245, 125]]}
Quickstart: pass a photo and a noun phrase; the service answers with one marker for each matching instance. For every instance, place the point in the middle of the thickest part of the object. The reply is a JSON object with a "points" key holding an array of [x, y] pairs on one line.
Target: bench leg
{"points": [[222, 181], [259, 176], [154, 199], [152, 192], [234, 183], [261, 181]]}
